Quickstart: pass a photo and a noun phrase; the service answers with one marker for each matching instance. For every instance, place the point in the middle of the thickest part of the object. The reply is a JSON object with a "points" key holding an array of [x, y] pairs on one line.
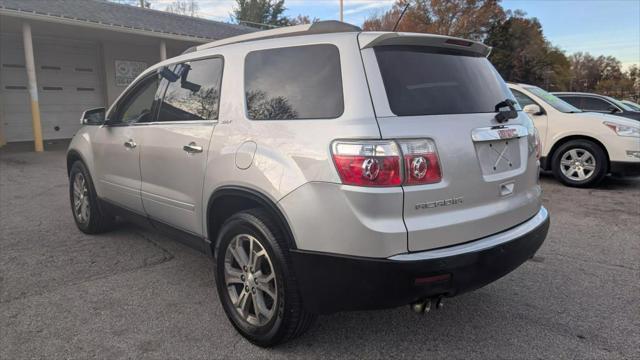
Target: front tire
{"points": [[89, 217], [255, 282], [580, 163]]}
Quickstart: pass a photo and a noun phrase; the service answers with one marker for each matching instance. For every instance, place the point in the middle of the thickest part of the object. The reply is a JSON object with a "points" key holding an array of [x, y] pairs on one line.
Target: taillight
{"points": [[384, 163], [367, 163], [421, 162], [538, 144]]}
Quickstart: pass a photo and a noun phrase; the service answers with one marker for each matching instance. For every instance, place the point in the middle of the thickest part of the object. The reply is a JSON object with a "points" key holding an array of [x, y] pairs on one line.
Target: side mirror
{"points": [[532, 109], [93, 116], [613, 109]]}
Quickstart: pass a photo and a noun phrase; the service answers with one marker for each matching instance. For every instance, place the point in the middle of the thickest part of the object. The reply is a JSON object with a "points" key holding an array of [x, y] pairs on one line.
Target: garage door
{"points": [[69, 82]]}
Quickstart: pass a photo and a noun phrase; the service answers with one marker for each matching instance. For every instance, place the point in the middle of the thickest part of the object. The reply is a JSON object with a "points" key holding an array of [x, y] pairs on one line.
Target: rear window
{"points": [[303, 82], [428, 81]]}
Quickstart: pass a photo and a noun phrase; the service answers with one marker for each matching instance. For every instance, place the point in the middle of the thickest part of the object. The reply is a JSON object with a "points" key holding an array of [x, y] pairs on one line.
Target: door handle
{"points": [[130, 144], [192, 148]]}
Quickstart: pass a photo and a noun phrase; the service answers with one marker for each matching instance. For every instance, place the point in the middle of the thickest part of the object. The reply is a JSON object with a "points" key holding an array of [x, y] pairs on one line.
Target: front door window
{"points": [[137, 106]]}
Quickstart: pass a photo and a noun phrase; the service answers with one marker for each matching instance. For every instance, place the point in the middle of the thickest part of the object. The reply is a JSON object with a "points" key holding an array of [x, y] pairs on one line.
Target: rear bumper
{"points": [[331, 283], [625, 168]]}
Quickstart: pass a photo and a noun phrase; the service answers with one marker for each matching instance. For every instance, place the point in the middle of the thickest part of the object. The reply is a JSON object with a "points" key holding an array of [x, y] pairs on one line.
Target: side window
{"points": [[193, 91], [573, 100], [523, 99], [137, 106], [302, 82], [595, 104]]}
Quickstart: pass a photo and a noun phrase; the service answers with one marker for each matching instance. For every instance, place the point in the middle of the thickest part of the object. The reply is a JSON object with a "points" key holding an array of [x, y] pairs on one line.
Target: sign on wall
{"points": [[127, 71]]}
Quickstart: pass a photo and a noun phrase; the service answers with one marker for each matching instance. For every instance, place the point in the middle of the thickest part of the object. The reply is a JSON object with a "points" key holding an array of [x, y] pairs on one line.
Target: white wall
{"points": [[113, 51], [64, 90]]}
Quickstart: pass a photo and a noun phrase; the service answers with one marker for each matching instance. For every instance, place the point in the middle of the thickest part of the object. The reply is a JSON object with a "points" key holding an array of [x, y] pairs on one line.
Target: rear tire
{"points": [[580, 163], [89, 217], [252, 267]]}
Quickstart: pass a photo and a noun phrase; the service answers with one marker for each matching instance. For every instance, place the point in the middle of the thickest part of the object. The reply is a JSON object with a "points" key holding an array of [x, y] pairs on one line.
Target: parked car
{"points": [[631, 104], [598, 103], [580, 147], [323, 168]]}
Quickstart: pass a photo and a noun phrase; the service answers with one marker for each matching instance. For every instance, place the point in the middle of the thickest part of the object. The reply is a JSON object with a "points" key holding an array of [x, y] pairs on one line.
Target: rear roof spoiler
{"points": [[371, 39], [320, 27]]}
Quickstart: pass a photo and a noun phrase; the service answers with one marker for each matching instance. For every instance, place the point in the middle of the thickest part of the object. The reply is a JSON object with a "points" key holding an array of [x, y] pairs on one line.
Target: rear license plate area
{"points": [[498, 156]]}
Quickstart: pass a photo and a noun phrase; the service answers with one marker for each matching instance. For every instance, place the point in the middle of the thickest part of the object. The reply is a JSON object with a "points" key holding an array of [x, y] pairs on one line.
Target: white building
{"points": [[81, 54]]}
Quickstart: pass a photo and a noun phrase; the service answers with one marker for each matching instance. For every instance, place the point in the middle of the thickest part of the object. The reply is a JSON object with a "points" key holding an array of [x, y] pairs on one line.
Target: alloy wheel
{"points": [[250, 280], [81, 208], [578, 164]]}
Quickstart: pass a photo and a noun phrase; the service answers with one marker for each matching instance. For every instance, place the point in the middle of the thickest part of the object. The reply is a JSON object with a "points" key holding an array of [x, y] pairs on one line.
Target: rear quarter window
{"points": [[302, 82], [573, 100], [428, 81], [590, 103]]}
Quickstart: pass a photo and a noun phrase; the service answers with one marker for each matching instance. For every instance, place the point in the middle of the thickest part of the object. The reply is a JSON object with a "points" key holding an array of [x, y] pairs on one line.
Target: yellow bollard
{"points": [[33, 86]]}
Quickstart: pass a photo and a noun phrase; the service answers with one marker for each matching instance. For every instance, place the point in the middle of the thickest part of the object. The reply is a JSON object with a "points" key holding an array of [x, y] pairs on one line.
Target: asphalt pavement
{"points": [[133, 293]]}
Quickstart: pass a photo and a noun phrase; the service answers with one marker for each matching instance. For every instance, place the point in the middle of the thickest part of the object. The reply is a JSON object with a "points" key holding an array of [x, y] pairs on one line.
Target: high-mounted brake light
{"points": [[367, 163], [459, 42], [421, 162]]}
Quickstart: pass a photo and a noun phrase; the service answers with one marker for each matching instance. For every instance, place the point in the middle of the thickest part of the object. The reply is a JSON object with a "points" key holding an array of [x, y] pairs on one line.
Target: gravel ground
{"points": [[133, 293]]}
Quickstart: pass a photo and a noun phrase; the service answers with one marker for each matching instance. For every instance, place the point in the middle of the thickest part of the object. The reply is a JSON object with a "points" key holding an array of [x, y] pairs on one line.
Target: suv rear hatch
{"points": [[444, 89]]}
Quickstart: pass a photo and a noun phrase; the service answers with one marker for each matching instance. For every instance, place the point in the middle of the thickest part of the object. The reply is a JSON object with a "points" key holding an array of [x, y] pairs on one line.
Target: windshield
{"points": [[553, 100], [621, 105], [632, 105], [422, 80]]}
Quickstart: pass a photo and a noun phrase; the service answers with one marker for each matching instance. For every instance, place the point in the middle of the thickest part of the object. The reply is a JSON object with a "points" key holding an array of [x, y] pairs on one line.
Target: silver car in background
{"points": [[324, 168]]}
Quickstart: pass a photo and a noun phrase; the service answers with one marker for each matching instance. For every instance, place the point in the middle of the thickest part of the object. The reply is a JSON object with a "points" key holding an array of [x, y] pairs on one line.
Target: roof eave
{"points": [[101, 26]]}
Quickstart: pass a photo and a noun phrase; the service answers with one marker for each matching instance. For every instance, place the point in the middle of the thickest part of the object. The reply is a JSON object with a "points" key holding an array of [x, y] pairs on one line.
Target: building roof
{"points": [[102, 12]]}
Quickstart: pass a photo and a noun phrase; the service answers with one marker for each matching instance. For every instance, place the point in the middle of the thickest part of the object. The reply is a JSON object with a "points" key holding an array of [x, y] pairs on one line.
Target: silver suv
{"points": [[324, 168]]}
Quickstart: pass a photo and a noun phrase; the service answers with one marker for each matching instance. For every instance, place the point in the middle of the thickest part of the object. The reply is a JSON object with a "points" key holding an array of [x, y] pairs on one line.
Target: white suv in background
{"points": [[324, 168], [580, 147]]}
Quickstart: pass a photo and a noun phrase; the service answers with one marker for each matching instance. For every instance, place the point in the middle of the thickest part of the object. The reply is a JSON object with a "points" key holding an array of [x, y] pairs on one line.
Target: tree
{"points": [[610, 68], [634, 75], [261, 13], [585, 72], [469, 19], [603, 74], [522, 54], [184, 7], [302, 19]]}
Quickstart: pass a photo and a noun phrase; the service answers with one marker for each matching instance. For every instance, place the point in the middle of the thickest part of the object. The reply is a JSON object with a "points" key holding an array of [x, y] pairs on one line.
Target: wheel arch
{"points": [[566, 139], [72, 157], [228, 200]]}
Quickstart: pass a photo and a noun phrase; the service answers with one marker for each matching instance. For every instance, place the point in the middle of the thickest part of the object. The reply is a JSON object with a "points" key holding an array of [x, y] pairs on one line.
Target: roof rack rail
{"points": [[320, 27]]}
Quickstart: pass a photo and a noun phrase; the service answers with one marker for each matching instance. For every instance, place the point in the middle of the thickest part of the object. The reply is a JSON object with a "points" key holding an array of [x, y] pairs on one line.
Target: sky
{"points": [[600, 27]]}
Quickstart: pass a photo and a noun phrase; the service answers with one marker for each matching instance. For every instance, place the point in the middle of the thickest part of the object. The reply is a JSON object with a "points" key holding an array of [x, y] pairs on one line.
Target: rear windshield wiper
{"points": [[505, 115]]}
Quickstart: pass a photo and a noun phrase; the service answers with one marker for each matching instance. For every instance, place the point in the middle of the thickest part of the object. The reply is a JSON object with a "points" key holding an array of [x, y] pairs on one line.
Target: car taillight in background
{"points": [[538, 144], [384, 163]]}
